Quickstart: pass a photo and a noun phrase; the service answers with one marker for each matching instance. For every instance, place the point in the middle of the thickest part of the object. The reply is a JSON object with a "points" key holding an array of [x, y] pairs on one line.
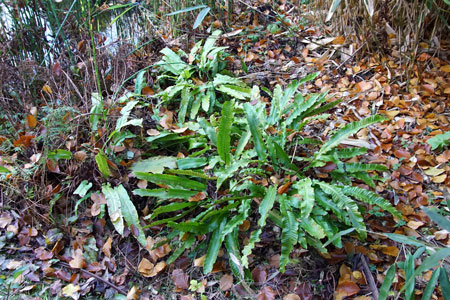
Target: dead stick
{"points": [[96, 277], [369, 277]]}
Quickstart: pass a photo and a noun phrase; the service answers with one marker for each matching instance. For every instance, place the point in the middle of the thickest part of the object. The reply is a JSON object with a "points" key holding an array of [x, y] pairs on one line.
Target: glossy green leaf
{"points": [[264, 207], [214, 246], [102, 164], [155, 165], [224, 134], [255, 129], [114, 207], [130, 215], [442, 221], [431, 285], [172, 181], [201, 15], [289, 232], [388, 280]]}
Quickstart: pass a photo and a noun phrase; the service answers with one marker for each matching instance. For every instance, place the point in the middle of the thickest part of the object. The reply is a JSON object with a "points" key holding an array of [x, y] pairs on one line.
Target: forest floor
{"points": [[45, 261]]}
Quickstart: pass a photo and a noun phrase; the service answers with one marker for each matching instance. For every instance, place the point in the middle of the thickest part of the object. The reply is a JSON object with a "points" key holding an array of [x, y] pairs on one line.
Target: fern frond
{"points": [[371, 198], [264, 207], [345, 132], [289, 232], [361, 167], [344, 202]]}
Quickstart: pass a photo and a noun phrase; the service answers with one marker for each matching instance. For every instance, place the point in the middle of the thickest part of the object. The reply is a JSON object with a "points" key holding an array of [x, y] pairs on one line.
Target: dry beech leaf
{"points": [[291, 297], [226, 282], [31, 121], [346, 289], [415, 224], [107, 247], [78, 260], [71, 290], [180, 279], [441, 235], [197, 197], [259, 275], [198, 262], [80, 156], [391, 251], [133, 293], [266, 293], [145, 267]]}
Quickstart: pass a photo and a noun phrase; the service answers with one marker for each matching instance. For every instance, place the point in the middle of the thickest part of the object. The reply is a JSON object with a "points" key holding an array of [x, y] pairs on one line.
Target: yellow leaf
{"points": [[434, 171], [47, 89], [198, 262], [31, 121], [133, 293], [446, 68], [71, 290], [439, 179], [145, 267]]}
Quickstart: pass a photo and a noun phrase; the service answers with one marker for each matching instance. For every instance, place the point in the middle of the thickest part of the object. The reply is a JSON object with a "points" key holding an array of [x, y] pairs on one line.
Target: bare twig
{"points": [[369, 277], [96, 277]]}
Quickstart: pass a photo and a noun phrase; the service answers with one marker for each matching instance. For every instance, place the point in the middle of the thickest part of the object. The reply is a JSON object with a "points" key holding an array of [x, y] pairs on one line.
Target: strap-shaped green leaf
{"points": [[264, 207], [102, 164], [370, 197], [345, 132], [172, 181], [306, 191], [388, 279], [114, 207], [224, 134], [255, 129], [289, 232], [130, 215], [214, 246]]}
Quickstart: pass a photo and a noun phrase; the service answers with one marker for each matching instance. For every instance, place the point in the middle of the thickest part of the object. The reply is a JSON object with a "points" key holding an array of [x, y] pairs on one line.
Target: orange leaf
{"points": [[391, 251], [345, 289], [23, 141], [31, 121], [339, 40], [47, 89], [284, 188]]}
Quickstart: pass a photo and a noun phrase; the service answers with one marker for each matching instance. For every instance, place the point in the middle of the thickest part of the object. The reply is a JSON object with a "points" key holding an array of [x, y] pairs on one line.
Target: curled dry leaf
{"points": [[266, 293], [198, 262], [226, 282], [80, 156], [145, 267], [133, 293], [291, 297], [78, 260], [107, 247]]}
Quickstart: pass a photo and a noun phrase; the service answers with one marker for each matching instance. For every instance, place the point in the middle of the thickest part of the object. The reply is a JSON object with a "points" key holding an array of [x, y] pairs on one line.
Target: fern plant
{"points": [[238, 149], [198, 80], [234, 146]]}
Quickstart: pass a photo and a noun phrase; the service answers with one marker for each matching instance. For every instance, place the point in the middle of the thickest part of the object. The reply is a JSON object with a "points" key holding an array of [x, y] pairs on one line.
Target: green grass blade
{"points": [[442, 221], [388, 279], [187, 9], [431, 285], [201, 15]]}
